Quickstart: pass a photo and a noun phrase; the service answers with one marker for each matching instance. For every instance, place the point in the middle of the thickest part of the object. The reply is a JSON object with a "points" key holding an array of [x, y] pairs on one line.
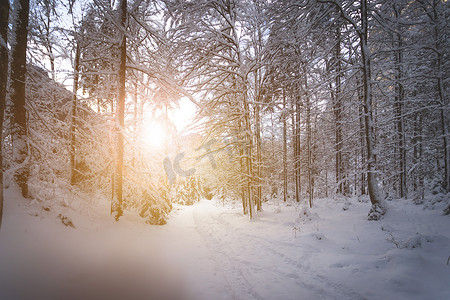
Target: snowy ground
{"points": [[210, 251]]}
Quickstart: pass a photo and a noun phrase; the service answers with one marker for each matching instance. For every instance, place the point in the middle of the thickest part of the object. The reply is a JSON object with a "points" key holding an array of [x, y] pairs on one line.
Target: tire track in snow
{"points": [[297, 271], [301, 264], [237, 282]]}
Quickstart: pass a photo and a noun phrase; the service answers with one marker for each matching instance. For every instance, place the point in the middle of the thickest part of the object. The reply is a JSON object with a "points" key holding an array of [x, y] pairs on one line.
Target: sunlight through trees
{"points": [[146, 101]]}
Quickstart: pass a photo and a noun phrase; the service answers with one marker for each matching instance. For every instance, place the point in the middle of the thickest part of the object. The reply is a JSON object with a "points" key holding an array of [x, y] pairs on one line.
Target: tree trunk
{"points": [[338, 114], [285, 176], [417, 156], [72, 150], [308, 141], [399, 98], [367, 106], [18, 109], [120, 116], [443, 99], [248, 155], [297, 151], [362, 141], [242, 169], [135, 132], [439, 23], [4, 15], [258, 156], [48, 42]]}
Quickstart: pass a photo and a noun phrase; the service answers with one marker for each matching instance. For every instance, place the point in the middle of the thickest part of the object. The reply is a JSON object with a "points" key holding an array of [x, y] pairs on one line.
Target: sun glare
{"points": [[153, 134]]}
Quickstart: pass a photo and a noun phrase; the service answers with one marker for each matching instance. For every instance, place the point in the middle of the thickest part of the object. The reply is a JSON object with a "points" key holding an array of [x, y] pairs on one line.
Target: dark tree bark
{"points": [[18, 109], [4, 15]]}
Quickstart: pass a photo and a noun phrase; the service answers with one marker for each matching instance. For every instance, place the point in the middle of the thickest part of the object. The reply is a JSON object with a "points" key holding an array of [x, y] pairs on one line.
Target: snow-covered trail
{"points": [[233, 258], [208, 251]]}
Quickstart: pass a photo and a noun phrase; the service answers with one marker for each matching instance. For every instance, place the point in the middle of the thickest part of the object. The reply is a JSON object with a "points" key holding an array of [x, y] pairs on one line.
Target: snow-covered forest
{"points": [[286, 149]]}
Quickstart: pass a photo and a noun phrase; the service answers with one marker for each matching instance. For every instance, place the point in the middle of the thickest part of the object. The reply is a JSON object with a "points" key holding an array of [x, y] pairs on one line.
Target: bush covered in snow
{"points": [[189, 190], [376, 212], [154, 207], [440, 201]]}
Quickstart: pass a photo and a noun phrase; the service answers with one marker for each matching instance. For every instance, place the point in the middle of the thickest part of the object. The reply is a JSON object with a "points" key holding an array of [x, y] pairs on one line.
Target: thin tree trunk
{"points": [[120, 116], [417, 154], [135, 121], [308, 141], [72, 150], [442, 105], [242, 170], [248, 156], [294, 148], [258, 157], [297, 151], [19, 113], [362, 141], [4, 15], [49, 46], [338, 114], [285, 176]]}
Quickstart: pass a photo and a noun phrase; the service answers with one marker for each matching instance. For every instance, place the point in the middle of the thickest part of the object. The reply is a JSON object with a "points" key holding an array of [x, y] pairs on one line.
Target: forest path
{"points": [[229, 257], [208, 251]]}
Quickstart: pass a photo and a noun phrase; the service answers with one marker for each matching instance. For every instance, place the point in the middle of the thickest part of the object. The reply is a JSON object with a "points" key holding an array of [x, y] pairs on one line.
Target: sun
{"points": [[158, 129], [153, 134]]}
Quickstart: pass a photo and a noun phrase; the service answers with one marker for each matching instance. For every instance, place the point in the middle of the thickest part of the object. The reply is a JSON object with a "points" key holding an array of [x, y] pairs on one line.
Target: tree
{"points": [[218, 67], [361, 26], [399, 103], [73, 111], [120, 113], [436, 13], [18, 110], [338, 111], [4, 17], [285, 174], [43, 39]]}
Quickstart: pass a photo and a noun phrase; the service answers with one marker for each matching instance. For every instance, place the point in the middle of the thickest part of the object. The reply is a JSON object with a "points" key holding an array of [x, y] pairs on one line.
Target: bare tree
{"points": [[18, 110], [4, 16], [361, 27], [120, 114], [73, 112], [437, 15]]}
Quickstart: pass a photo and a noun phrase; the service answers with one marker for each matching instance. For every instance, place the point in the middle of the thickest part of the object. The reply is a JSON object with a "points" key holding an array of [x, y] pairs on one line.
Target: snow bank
{"points": [[41, 257]]}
